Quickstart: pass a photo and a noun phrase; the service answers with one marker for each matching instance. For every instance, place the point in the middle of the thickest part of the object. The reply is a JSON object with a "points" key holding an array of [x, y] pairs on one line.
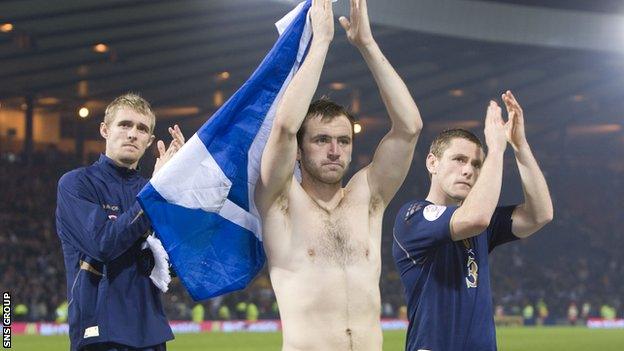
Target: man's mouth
{"points": [[131, 145], [333, 164]]}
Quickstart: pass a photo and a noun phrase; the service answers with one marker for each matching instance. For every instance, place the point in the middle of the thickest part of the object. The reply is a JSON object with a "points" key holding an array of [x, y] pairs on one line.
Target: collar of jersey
{"points": [[111, 166]]}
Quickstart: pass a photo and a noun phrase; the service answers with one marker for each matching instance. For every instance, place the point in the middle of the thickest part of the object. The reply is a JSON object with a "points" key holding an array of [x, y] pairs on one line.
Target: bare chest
{"points": [[340, 238]]}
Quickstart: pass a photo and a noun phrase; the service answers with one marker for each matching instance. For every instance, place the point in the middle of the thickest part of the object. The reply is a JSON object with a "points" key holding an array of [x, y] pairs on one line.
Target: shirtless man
{"points": [[322, 240]]}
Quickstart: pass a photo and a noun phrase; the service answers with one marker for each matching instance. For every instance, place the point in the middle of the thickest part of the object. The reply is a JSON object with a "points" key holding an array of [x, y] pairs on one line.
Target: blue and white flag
{"points": [[201, 203]]}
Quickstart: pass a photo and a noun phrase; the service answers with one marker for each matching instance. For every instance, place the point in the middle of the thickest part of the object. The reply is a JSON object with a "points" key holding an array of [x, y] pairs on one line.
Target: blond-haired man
{"points": [[113, 304]]}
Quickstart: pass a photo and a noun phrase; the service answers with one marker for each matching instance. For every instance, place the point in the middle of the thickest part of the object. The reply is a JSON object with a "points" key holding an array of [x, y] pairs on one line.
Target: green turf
{"points": [[509, 339]]}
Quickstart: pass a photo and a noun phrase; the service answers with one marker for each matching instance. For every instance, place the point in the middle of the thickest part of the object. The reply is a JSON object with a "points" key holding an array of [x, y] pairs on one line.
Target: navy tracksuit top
{"points": [[101, 227]]}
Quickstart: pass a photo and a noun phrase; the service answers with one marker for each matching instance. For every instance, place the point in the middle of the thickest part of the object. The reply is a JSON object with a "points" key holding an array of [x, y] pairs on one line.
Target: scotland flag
{"points": [[201, 202]]}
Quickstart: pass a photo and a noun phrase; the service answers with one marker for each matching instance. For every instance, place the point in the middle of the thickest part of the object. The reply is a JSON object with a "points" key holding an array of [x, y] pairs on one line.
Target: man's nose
{"points": [[132, 133], [334, 149]]}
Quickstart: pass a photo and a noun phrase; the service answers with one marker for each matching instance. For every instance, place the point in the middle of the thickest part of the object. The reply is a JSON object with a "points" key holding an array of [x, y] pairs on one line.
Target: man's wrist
{"points": [[521, 148], [367, 46], [320, 42], [496, 151]]}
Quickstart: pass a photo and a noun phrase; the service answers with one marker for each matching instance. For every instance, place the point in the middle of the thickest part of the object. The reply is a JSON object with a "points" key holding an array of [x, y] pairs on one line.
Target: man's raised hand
{"points": [[357, 26], [514, 127], [322, 16], [165, 154]]}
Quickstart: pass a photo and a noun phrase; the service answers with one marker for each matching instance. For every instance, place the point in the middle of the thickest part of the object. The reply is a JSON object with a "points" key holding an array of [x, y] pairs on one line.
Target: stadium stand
{"points": [[575, 259]]}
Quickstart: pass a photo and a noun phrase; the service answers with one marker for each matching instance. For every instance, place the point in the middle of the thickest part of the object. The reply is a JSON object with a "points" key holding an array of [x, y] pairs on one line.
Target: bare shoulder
{"points": [[359, 190], [358, 184], [281, 205]]}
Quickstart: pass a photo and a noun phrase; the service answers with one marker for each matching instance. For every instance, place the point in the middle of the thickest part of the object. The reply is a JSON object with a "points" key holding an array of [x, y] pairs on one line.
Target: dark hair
{"points": [[443, 140], [328, 110]]}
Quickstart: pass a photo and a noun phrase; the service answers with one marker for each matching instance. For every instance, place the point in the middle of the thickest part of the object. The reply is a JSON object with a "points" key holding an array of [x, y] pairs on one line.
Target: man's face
{"points": [[127, 137], [457, 170], [325, 153]]}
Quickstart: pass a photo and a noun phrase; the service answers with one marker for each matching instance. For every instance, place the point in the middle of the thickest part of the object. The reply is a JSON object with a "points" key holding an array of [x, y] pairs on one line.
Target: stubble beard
{"points": [[130, 159], [316, 174]]}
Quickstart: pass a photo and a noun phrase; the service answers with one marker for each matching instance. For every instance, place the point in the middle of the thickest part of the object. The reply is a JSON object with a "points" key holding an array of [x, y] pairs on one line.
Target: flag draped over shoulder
{"points": [[201, 203]]}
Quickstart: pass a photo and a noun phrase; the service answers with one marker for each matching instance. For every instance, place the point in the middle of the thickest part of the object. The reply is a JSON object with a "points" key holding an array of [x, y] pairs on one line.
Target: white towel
{"points": [[160, 273]]}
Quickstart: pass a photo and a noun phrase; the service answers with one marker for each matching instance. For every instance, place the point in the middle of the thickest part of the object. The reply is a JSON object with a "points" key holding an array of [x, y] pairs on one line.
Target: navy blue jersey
{"points": [[447, 283], [101, 227]]}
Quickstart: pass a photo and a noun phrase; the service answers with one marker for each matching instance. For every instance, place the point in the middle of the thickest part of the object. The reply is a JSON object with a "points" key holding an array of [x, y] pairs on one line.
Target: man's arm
{"points": [[474, 215], [393, 156], [537, 210], [84, 223], [280, 153]]}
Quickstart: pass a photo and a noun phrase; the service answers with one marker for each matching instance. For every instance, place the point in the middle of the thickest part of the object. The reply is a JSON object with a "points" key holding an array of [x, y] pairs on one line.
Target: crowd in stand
{"points": [[576, 260]]}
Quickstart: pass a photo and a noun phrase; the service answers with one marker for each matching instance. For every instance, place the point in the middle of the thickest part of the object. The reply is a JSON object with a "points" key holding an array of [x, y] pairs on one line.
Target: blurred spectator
{"points": [[528, 314], [251, 313], [542, 312], [62, 312], [572, 313], [607, 312], [197, 313], [224, 313], [585, 310]]}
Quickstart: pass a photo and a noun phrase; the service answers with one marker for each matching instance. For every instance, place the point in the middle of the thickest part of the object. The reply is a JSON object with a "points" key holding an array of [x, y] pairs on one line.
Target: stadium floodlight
{"points": [[6, 27], [357, 127], [100, 48], [83, 112]]}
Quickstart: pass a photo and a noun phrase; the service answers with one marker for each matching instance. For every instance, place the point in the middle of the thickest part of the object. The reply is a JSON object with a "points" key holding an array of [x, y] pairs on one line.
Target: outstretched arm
{"points": [[280, 153], [537, 209], [394, 154]]}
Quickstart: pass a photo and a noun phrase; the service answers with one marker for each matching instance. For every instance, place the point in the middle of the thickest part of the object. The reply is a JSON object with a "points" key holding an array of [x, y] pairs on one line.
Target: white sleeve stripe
{"points": [[407, 255]]}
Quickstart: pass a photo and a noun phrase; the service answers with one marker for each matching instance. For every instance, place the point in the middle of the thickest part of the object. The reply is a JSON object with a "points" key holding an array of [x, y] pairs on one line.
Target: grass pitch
{"points": [[509, 339]]}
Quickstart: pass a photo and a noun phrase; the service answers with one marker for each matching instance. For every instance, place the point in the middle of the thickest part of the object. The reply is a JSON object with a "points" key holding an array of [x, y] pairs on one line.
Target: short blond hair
{"points": [[133, 102]]}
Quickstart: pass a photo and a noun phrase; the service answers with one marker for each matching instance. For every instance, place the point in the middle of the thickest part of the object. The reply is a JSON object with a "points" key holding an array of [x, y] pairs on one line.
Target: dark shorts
{"points": [[117, 347]]}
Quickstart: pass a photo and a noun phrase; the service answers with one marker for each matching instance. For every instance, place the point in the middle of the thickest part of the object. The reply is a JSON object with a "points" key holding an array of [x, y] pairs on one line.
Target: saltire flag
{"points": [[201, 203]]}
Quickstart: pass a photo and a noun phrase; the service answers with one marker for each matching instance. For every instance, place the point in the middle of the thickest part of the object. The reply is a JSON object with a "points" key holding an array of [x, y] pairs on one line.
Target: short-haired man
{"points": [[322, 240], [113, 304], [441, 244]]}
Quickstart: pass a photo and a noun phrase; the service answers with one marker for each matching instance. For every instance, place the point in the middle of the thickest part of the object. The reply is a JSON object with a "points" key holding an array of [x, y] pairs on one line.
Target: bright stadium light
{"points": [[6, 27], [83, 112], [100, 48], [225, 75], [357, 127]]}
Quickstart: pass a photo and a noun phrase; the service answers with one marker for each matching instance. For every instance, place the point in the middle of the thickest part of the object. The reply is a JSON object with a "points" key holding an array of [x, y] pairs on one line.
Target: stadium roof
{"points": [[187, 56]]}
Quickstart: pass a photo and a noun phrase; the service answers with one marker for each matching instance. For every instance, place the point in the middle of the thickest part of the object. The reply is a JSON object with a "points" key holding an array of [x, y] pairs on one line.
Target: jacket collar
{"points": [[111, 167]]}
